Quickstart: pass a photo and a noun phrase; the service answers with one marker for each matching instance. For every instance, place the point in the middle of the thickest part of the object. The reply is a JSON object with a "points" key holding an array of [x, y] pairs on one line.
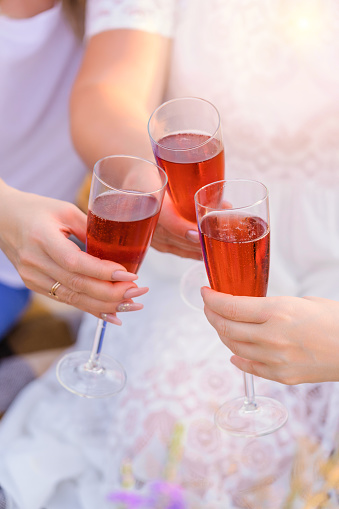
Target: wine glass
{"points": [[123, 209], [234, 228], [186, 140]]}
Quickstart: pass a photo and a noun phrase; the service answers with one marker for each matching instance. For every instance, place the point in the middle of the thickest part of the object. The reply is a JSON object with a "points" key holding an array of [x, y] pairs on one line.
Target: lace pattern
{"points": [[214, 467], [271, 67]]}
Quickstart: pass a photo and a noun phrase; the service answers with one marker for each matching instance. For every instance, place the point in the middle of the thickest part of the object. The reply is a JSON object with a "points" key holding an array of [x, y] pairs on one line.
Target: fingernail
{"points": [[135, 292], [203, 290], [129, 306], [111, 318], [192, 235], [123, 275]]}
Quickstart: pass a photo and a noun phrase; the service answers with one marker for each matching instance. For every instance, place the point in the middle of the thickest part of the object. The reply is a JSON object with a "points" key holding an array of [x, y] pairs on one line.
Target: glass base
{"points": [[192, 280], [103, 379], [239, 419]]}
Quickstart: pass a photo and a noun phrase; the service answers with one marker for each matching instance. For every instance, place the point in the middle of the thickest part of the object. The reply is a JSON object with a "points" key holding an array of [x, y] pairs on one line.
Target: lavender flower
{"points": [[167, 493], [160, 495], [130, 499]]}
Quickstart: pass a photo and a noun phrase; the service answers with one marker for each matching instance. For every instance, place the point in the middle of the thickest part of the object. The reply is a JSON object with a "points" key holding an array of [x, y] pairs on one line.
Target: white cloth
{"points": [[271, 67], [39, 57], [272, 70], [58, 451]]}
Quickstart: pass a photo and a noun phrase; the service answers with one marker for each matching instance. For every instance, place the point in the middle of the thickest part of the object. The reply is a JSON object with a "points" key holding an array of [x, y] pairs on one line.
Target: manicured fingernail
{"points": [[129, 306], [122, 275], [135, 292], [111, 318], [192, 235]]}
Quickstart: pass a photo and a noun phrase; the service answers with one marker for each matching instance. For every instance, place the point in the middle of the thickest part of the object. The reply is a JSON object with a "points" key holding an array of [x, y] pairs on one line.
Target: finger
{"points": [[164, 236], [101, 290], [235, 308], [249, 351], [42, 267], [245, 340], [176, 224], [105, 291], [67, 254], [230, 330], [75, 222], [178, 251], [253, 368], [165, 241], [91, 305]]}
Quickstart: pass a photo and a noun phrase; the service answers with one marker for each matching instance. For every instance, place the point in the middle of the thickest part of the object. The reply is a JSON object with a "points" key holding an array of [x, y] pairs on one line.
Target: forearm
{"points": [[121, 81], [116, 126], [9, 201]]}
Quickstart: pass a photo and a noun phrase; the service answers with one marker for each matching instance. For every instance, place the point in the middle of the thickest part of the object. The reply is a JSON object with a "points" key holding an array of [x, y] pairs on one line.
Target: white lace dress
{"points": [[272, 69]]}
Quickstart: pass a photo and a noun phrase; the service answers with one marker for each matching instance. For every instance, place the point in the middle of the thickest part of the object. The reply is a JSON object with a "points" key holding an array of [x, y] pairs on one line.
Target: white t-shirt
{"points": [[39, 58]]}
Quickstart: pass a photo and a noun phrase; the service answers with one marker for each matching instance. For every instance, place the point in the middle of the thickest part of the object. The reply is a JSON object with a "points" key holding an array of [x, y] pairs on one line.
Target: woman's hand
{"points": [[118, 95], [287, 339], [34, 233], [175, 235]]}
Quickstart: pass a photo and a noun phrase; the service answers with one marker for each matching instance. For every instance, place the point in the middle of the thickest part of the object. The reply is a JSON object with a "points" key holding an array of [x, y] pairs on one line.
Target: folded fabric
{"points": [[34, 461], [45, 459], [54, 449], [3, 503]]}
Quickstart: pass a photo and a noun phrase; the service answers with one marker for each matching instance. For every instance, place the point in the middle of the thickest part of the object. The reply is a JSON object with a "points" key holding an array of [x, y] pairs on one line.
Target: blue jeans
{"points": [[13, 302]]}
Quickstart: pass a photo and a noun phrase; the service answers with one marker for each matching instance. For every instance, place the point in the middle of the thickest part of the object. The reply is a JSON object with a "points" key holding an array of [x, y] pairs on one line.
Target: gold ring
{"points": [[54, 289]]}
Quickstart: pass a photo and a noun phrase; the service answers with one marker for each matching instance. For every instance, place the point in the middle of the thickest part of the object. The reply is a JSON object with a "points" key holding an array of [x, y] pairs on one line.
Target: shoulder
{"points": [[155, 16]]}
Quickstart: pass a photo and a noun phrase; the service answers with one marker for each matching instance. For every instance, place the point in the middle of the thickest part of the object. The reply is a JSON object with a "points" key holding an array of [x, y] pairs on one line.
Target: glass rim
{"points": [[137, 158], [177, 99], [225, 181]]}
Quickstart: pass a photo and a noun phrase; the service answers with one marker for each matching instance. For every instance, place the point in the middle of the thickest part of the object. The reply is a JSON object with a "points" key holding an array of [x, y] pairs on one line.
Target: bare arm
{"points": [[121, 81], [287, 339], [34, 233]]}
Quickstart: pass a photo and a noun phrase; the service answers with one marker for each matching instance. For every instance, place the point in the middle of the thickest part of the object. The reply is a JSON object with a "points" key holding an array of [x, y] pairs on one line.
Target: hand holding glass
{"points": [[233, 220], [186, 139], [124, 205]]}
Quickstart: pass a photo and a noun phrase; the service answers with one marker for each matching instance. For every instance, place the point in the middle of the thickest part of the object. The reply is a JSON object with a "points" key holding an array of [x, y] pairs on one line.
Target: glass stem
{"points": [[250, 403], [97, 343]]}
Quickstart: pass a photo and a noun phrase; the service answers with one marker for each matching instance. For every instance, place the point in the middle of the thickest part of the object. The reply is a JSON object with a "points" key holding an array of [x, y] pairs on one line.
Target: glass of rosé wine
{"points": [[123, 209], [187, 143], [234, 229]]}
